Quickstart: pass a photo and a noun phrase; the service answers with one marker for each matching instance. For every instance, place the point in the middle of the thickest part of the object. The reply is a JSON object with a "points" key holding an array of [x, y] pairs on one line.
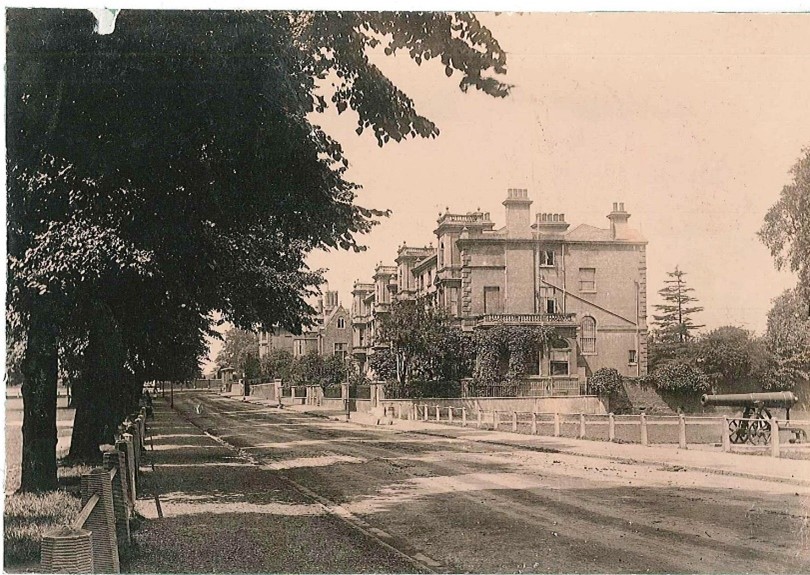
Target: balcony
{"points": [[551, 319]]}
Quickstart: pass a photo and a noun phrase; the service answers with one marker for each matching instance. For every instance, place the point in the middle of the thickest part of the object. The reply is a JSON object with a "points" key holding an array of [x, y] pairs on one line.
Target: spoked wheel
{"points": [[760, 433], [737, 431]]}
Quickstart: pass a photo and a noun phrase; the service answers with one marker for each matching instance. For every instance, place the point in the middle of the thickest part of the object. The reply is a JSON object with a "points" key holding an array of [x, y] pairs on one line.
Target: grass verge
{"points": [[27, 516]]}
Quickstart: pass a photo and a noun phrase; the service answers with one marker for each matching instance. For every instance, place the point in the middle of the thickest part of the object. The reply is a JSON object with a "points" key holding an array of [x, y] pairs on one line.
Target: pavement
{"points": [[208, 509], [696, 459]]}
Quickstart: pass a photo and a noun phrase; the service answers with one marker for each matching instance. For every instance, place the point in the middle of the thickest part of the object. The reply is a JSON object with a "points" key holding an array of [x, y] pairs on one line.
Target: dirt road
{"points": [[464, 506]]}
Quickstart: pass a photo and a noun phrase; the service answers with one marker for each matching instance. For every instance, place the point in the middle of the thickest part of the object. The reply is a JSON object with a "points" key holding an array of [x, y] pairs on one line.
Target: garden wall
{"points": [[263, 390], [588, 404]]}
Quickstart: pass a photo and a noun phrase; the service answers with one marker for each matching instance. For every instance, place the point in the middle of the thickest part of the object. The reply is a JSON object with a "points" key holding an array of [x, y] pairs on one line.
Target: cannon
{"points": [[754, 426]]}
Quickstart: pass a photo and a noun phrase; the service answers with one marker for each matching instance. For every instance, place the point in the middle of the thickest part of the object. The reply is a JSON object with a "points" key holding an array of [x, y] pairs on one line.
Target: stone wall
{"points": [[588, 404], [263, 390]]}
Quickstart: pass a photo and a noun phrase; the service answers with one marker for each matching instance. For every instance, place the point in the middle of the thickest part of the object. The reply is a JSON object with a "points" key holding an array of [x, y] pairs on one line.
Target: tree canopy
{"points": [[788, 339], [423, 344], [786, 230], [240, 350], [172, 168]]}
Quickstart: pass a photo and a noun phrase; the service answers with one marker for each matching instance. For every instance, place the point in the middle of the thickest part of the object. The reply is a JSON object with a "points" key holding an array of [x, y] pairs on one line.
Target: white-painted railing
{"points": [[605, 426]]}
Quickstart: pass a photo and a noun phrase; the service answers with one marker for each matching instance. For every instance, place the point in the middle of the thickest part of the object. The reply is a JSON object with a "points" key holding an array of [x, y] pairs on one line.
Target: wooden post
{"points": [[611, 427], [121, 446], [496, 420], [438, 413], [427, 409], [643, 425], [463, 417], [450, 414], [534, 423], [681, 431], [132, 477], [556, 425], [582, 426], [116, 460], [478, 417], [101, 520], [725, 438], [514, 421], [775, 438], [67, 553]]}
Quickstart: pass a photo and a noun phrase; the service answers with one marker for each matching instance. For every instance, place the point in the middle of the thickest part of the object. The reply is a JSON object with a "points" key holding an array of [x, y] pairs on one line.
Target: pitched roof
{"points": [[328, 319], [586, 233]]}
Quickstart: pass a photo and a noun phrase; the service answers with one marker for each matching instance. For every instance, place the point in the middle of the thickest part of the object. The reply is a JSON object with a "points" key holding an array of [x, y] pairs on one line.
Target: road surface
{"points": [[457, 505]]}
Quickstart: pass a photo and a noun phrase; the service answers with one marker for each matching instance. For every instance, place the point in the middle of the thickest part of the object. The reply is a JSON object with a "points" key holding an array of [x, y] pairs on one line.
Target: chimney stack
{"points": [[517, 205], [618, 222]]}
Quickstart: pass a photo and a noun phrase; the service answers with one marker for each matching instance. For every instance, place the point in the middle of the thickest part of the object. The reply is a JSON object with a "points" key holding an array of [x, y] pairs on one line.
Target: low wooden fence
{"points": [[643, 429], [102, 529]]}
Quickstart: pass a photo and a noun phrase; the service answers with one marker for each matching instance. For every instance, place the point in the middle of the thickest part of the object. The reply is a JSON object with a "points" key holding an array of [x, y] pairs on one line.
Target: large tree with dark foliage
{"points": [[421, 344], [786, 230], [172, 168]]}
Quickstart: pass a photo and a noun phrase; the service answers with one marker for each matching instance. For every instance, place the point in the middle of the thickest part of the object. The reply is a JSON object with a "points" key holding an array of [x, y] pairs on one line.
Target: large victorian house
{"points": [[587, 284]]}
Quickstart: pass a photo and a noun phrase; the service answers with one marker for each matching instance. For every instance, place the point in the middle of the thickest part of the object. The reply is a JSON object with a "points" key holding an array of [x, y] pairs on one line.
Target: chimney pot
{"points": [[615, 207], [621, 206]]}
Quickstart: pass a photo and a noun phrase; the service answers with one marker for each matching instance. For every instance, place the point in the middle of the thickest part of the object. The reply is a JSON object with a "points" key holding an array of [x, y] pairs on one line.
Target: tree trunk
{"points": [[100, 396], [40, 369], [89, 421]]}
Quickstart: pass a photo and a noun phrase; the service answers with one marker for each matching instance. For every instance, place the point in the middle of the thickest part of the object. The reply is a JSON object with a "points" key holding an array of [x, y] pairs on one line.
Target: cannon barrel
{"points": [[783, 399]]}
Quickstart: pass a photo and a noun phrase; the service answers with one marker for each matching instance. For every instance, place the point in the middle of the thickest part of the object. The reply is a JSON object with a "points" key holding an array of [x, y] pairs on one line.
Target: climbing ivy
{"points": [[520, 343], [605, 381]]}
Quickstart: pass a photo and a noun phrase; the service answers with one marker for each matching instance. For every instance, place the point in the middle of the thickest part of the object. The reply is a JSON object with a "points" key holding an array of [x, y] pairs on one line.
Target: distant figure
{"points": [[199, 409]]}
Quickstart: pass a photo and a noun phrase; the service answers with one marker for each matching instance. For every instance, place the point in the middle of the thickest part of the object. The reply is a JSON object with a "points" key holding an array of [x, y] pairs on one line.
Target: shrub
{"points": [[27, 516], [679, 376], [605, 381]]}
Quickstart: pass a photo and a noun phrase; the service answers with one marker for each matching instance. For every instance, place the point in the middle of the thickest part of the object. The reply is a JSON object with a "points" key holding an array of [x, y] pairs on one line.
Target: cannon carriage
{"points": [[753, 425]]}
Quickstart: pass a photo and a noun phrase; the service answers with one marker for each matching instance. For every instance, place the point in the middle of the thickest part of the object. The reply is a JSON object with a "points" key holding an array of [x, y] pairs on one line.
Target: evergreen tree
{"points": [[674, 324]]}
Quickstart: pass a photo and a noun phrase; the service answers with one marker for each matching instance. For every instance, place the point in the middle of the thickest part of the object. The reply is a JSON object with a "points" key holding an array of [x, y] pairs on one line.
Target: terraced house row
{"points": [[589, 284]]}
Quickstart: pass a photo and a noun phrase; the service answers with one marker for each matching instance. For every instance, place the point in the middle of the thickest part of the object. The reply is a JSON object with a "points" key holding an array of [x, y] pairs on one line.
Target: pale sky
{"points": [[692, 120]]}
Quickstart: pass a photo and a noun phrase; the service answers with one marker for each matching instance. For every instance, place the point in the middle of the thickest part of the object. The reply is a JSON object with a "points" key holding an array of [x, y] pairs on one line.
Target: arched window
{"points": [[588, 335]]}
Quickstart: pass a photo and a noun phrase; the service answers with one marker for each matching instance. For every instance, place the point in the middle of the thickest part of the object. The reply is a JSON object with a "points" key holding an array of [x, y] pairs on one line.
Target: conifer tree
{"points": [[674, 324]]}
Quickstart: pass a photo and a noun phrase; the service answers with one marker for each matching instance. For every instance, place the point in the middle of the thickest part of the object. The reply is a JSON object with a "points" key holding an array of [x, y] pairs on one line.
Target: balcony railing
{"points": [[466, 218], [528, 319]]}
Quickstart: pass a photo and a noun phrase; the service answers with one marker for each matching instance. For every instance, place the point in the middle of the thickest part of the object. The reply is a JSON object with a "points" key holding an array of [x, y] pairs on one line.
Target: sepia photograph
{"points": [[343, 291]]}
